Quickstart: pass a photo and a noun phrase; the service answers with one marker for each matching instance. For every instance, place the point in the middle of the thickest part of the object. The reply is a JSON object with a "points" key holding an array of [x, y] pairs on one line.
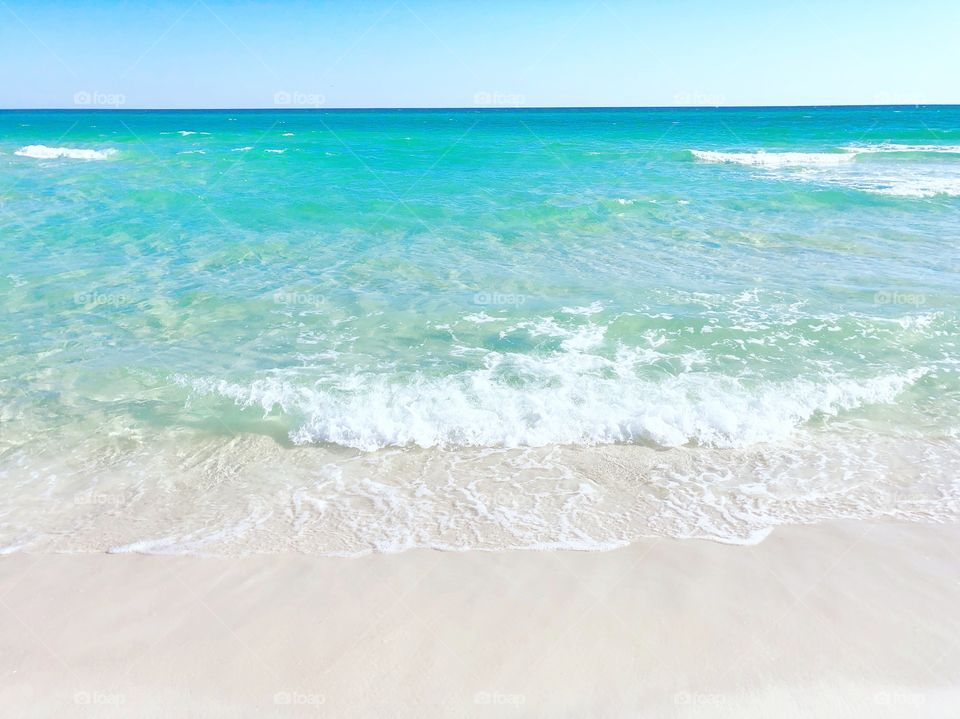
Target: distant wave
{"points": [[888, 147], [42, 152], [889, 175], [764, 158], [917, 186], [775, 159]]}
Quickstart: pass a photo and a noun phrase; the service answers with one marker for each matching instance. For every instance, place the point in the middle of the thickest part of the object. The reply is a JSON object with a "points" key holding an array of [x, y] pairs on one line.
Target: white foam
{"points": [[775, 159], [591, 309], [893, 177], [571, 398], [574, 339], [242, 149], [918, 186], [886, 147], [42, 152], [246, 494], [277, 152], [479, 318]]}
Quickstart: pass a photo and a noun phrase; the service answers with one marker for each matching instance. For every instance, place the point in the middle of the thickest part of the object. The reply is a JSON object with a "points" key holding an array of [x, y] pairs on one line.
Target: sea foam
{"points": [[42, 152], [916, 186], [887, 174], [572, 399], [775, 159], [888, 147]]}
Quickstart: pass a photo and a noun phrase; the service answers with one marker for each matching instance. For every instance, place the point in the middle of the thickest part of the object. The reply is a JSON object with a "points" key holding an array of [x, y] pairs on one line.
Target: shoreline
{"points": [[250, 495], [841, 619]]}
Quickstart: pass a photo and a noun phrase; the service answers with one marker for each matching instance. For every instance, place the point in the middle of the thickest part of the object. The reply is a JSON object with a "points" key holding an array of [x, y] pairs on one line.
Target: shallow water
{"points": [[343, 331]]}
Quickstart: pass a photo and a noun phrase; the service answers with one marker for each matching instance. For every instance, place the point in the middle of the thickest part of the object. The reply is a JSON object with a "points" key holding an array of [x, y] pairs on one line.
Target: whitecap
{"points": [[893, 147], [915, 186], [893, 177], [42, 152], [763, 158]]}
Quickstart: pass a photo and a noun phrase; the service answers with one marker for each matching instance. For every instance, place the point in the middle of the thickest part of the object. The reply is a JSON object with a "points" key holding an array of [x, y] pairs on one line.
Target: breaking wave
{"points": [[42, 152]]}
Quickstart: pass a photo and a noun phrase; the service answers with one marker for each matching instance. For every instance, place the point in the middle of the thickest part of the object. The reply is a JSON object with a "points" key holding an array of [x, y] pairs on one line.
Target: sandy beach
{"points": [[435, 360], [835, 620]]}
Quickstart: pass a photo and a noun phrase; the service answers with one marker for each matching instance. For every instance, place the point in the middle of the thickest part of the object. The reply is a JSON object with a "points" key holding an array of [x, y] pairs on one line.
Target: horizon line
{"points": [[479, 108]]}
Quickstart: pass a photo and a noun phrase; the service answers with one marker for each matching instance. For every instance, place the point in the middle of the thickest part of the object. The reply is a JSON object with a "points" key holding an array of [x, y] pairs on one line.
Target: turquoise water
{"points": [[715, 290]]}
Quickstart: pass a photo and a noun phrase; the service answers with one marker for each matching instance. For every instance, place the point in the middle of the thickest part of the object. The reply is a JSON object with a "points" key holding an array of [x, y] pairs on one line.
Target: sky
{"points": [[494, 53]]}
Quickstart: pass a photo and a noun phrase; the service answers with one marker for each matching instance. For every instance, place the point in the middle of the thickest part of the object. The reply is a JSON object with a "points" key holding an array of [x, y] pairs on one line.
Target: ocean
{"points": [[338, 332]]}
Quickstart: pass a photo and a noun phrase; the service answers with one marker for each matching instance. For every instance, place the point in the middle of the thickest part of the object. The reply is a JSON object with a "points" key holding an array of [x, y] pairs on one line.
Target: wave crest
{"points": [[775, 159], [42, 152], [889, 173], [564, 405]]}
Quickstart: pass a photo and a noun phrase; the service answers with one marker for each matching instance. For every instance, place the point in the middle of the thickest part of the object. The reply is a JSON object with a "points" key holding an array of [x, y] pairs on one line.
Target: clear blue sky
{"points": [[428, 53]]}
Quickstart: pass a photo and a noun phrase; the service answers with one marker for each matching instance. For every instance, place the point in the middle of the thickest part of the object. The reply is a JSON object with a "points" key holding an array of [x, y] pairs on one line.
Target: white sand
{"points": [[837, 620]]}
